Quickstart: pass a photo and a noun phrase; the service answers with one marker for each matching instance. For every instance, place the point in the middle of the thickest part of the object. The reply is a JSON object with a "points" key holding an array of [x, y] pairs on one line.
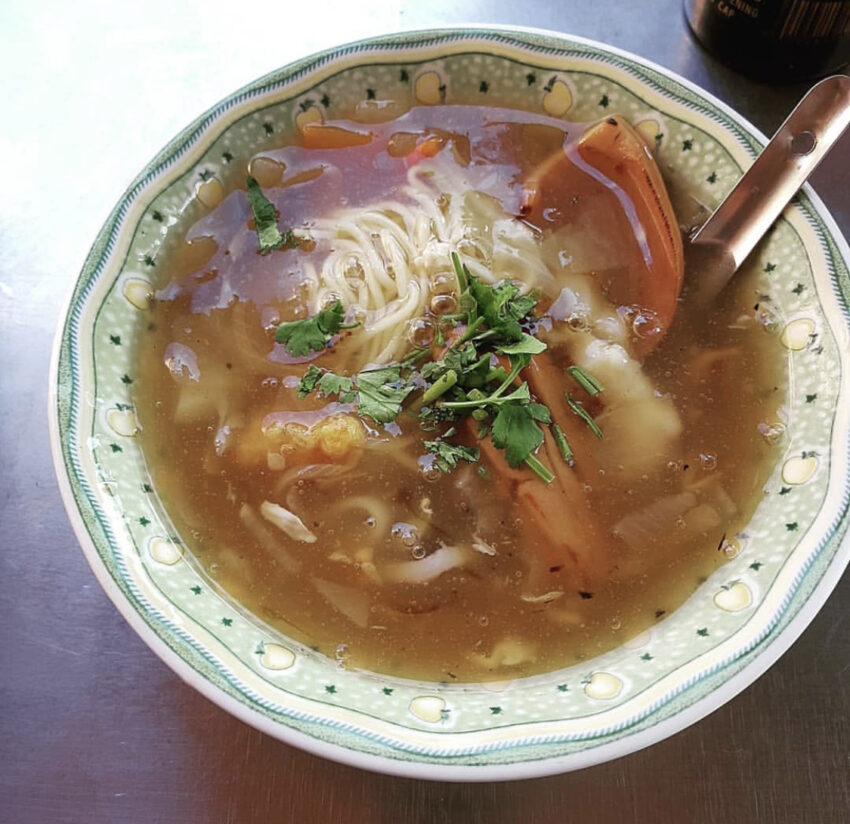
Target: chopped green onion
{"points": [[416, 355], [540, 469], [462, 274], [563, 446], [497, 373], [440, 386], [470, 332], [462, 282], [584, 415], [585, 380]]}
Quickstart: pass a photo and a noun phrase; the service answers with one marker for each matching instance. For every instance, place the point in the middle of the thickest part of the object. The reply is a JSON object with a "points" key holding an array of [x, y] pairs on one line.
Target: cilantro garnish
{"points": [[585, 380], [379, 393], [516, 431], [561, 442], [478, 376], [579, 410], [300, 337], [265, 221], [327, 383], [502, 308], [448, 454]]}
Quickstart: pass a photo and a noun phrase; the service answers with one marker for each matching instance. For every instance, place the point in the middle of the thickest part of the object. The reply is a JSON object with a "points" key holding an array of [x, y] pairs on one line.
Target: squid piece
{"points": [[614, 154]]}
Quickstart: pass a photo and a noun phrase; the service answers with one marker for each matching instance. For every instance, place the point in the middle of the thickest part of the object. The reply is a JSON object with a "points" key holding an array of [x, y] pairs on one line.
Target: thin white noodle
{"points": [[384, 258]]}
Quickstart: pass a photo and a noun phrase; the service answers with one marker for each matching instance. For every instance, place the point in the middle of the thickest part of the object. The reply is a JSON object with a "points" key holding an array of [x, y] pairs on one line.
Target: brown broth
{"points": [[205, 447]]}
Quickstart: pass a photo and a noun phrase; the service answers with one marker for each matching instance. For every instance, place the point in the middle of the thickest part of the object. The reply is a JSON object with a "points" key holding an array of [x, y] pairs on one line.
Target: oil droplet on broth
{"points": [[420, 332]]}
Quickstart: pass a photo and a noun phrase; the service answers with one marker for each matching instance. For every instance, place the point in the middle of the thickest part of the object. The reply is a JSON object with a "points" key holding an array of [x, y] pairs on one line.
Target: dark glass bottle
{"points": [[775, 41]]}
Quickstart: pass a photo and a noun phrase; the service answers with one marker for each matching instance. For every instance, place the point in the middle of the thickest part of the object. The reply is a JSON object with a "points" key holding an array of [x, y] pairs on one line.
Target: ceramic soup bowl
{"points": [[734, 626]]}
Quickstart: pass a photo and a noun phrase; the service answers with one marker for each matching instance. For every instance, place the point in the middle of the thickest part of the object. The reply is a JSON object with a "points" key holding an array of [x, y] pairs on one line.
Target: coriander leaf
{"points": [[448, 454], [332, 384], [515, 431], [526, 345], [327, 383], [470, 370], [460, 358], [265, 221], [476, 399], [502, 307], [300, 337], [309, 381], [433, 369], [521, 393], [380, 393], [478, 374], [540, 412]]}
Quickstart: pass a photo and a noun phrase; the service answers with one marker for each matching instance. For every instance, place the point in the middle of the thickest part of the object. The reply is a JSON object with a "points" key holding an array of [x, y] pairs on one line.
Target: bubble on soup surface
{"points": [[708, 461], [277, 657], [771, 431], [342, 654], [429, 708], [428, 468], [444, 304], [420, 332], [731, 547]]}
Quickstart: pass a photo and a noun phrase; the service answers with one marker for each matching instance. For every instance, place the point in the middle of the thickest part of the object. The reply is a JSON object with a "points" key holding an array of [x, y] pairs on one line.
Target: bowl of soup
{"points": [[386, 410]]}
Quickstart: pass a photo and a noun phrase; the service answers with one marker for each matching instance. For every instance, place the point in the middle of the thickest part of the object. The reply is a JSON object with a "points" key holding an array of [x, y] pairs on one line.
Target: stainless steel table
{"points": [[93, 727]]}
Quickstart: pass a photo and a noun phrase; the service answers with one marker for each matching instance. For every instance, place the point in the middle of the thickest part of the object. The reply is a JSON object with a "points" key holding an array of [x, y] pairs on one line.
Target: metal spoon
{"points": [[747, 212]]}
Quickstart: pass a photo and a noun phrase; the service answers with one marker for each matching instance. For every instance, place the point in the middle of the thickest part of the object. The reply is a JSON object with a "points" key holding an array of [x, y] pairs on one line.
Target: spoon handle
{"points": [[777, 173]]}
